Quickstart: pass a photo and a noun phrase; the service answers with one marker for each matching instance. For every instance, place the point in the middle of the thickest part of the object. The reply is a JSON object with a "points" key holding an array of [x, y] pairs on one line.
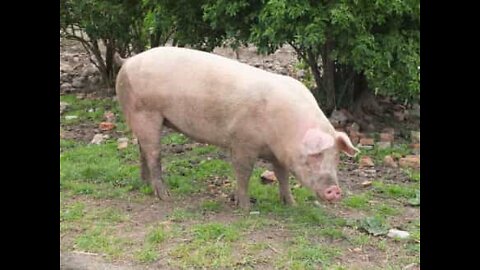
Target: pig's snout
{"points": [[332, 193]]}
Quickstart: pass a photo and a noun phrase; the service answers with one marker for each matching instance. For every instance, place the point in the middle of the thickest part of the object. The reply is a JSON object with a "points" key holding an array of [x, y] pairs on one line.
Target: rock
{"points": [[65, 87], [94, 80], [134, 141], [268, 177], [80, 96], [71, 117], [105, 126], [78, 83], [389, 130], [384, 145], [366, 183], [338, 118], [415, 148], [365, 161], [63, 106], [255, 213], [412, 161], [122, 143], [386, 137], [412, 266], [394, 233], [367, 141], [415, 111], [97, 139], [63, 77], [361, 135], [89, 71], [399, 115], [354, 137], [354, 127], [300, 73], [76, 59], [109, 116], [389, 162], [415, 136]]}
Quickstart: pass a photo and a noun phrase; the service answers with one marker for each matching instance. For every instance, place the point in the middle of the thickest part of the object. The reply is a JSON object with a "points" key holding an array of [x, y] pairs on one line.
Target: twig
{"points": [[85, 253], [272, 248]]}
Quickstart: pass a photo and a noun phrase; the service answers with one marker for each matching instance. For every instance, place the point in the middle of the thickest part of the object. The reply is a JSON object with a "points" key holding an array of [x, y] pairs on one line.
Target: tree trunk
{"points": [[311, 59], [328, 86]]}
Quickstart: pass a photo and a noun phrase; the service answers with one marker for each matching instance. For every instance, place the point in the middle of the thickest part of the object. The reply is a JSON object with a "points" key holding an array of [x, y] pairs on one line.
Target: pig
{"points": [[250, 112]]}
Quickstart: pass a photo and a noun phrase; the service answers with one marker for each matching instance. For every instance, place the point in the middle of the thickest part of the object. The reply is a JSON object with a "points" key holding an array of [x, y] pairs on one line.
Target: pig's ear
{"points": [[315, 141], [345, 145]]}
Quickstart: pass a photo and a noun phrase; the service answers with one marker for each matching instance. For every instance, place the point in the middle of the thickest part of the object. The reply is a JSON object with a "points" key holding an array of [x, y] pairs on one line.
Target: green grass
{"points": [[358, 201], [200, 255], [215, 231], [303, 254], [395, 190], [377, 154], [91, 110], [99, 240], [175, 138], [203, 150], [181, 215], [212, 206]]}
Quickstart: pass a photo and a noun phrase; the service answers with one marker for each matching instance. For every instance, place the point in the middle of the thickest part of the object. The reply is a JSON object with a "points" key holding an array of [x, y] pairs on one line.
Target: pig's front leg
{"points": [[243, 162], [282, 175]]}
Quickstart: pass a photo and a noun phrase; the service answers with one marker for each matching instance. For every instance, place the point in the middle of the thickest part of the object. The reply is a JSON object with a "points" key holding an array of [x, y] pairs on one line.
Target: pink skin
{"points": [[332, 194]]}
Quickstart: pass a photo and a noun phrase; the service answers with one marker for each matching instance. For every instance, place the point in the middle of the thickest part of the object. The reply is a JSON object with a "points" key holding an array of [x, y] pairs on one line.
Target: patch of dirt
{"points": [[87, 261]]}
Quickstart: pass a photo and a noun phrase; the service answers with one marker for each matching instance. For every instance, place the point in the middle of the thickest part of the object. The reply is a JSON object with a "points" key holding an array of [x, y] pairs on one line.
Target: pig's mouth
{"points": [[331, 194]]}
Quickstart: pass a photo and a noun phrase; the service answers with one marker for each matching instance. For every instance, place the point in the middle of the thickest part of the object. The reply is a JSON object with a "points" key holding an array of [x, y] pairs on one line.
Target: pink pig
{"points": [[251, 112]]}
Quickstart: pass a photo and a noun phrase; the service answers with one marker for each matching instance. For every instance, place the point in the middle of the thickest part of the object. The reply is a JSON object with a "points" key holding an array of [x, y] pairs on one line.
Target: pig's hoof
{"points": [[161, 192], [288, 200]]}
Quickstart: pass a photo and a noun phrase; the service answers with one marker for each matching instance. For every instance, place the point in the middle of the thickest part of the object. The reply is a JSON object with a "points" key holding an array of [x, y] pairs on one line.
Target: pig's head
{"points": [[317, 159]]}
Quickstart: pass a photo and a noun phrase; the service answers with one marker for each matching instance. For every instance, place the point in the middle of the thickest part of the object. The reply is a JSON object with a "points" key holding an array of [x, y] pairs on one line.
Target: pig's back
{"points": [[209, 97]]}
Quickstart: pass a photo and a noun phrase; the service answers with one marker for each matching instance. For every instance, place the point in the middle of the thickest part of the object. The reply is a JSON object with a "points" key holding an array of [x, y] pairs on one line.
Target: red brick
{"points": [[410, 162], [365, 161]]}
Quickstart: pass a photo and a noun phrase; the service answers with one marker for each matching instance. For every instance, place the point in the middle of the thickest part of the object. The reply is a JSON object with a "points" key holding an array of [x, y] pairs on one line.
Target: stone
{"points": [[109, 116], [411, 161], [386, 137], [71, 117], [63, 106], [268, 177], [122, 143], [78, 83], [97, 139], [399, 115], [65, 87], [367, 141], [415, 136], [394, 233], [389, 162], [365, 161], [300, 73], [105, 126], [366, 183], [384, 145]]}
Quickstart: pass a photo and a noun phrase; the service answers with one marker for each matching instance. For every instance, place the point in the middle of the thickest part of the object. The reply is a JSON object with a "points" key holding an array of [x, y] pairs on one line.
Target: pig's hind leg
{"points": [[147, 127]]}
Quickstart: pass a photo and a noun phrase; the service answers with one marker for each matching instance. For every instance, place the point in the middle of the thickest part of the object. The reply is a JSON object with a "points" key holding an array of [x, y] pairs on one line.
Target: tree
{"points": [[350, 46], [125, 26]]}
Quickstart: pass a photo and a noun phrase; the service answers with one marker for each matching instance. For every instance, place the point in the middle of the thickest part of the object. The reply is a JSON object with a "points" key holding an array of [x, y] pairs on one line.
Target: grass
{"points": [[377, 154], [98, 182], [358, 201]]}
